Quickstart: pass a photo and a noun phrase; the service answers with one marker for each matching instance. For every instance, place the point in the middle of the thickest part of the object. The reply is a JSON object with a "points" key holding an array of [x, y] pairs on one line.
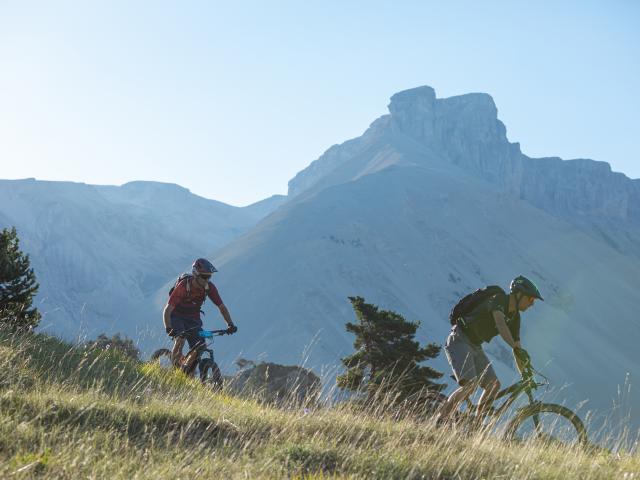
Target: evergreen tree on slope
{"points": [[18, 284], [387, 357]]}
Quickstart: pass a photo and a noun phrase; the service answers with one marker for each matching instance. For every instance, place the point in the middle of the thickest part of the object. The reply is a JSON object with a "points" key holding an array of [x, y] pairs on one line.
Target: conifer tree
{"points": [[18, 284], [387, 357]]}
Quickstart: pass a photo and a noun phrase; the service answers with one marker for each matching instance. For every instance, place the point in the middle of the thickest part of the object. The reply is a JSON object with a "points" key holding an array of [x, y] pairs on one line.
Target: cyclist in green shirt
{"points": [[496, 315]]}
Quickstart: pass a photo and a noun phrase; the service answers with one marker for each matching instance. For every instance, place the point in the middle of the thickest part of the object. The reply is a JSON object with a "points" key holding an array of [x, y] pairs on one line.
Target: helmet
{"points": [[526, 286], [202, 266]]}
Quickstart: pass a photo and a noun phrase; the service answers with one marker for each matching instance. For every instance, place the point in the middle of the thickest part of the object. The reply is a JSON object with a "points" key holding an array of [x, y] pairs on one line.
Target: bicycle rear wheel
{"points": [[433, 402], [549, 423], [210, 374], [163, 357]]}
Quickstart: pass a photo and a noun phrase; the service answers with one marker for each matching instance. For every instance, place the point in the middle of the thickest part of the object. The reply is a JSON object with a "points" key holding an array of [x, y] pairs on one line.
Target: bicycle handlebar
{"points": [[212, 333], [529, 374]]}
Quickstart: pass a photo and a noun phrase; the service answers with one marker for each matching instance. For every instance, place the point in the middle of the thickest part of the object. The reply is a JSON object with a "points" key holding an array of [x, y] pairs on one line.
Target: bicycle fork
{"points": [[536, 417]]}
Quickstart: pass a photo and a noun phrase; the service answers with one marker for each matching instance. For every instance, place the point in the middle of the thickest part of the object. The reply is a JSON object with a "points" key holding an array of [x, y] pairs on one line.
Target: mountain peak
{"points": [[423, 101], [459, 129], [420, 115], [412, 98]]}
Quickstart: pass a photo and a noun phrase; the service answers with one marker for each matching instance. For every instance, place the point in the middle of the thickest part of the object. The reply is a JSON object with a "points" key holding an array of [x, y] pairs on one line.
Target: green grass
{"points": [[70, 413]]}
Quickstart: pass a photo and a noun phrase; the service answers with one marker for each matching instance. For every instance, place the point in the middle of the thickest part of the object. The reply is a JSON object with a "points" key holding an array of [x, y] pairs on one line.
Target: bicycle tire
{"points": [[160, 354], [210, 374], [526, 414]]}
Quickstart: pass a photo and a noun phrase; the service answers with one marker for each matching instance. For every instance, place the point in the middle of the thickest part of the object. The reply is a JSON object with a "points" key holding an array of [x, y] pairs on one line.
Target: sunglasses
{"points": [[205, 276]]}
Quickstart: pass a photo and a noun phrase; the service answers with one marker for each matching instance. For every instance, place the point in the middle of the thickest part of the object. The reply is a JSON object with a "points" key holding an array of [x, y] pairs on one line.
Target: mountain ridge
{"points": [[466, 131], [99, 251]]}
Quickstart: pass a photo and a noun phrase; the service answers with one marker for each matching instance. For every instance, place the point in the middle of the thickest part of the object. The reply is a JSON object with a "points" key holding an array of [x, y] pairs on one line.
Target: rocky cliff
{"points": [[465, 131]]}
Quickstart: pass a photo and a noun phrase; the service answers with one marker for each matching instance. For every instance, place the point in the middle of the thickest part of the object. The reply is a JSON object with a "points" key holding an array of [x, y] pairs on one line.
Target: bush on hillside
{"points": [[122, 344]]}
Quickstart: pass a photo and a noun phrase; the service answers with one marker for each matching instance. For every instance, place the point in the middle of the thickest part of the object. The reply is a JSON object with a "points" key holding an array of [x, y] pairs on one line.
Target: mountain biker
{"points": [[497, 315], [181, 315]]}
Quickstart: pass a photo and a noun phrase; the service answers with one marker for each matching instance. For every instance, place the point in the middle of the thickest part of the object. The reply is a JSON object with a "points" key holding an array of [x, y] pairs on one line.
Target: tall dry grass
{"points": [[71, 413]]}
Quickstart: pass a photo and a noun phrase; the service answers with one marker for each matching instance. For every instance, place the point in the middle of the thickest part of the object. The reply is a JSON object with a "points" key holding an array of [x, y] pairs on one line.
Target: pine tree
{"points": [[18, 284], [387, 357]]}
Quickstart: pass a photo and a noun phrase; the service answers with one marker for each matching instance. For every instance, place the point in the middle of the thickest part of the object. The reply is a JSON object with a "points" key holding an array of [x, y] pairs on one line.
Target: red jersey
{"points": [[188, 304]]}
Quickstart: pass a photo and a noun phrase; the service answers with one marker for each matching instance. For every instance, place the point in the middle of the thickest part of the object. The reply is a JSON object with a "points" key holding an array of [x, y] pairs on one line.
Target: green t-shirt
{"points": [[480, 326]]}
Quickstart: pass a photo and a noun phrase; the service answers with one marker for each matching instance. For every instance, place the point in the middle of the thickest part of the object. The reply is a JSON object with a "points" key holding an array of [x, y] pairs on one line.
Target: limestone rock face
{"points": [[579, 187], [458, 124], [413, 113], [464, 131], [339, 156]]}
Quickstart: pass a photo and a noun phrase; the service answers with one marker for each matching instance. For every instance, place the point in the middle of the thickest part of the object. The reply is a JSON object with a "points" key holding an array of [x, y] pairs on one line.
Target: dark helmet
{"points": [[202, 266], [526, 286]]}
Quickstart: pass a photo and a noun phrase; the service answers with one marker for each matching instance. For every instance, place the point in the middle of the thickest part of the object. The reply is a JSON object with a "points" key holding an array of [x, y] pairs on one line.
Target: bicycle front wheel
{"points": [[210, 374], [549, 423]]}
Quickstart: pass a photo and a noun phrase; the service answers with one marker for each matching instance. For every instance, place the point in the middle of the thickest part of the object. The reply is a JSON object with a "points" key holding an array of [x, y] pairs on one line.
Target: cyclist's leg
{"points": [[460, 355], [489, 384], [192, 329], [457, 398], [176, 351], [192, 336], [178, 326]]}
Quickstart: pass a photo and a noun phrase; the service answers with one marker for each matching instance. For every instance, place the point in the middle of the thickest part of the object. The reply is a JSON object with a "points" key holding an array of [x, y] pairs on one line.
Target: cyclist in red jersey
{"points": [[181, 315]]}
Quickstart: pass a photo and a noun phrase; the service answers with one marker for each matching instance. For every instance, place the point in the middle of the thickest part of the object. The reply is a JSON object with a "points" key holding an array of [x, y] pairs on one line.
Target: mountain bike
{"points": [[537, 420], [199, 358]]}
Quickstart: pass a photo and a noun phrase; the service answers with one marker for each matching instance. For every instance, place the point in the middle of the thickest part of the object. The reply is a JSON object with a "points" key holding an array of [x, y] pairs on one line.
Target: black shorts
{"points": [[188, 328]]}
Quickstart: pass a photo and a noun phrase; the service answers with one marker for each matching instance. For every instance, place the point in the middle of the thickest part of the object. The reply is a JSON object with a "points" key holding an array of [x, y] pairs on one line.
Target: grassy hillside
{"points": [[70, 413]]}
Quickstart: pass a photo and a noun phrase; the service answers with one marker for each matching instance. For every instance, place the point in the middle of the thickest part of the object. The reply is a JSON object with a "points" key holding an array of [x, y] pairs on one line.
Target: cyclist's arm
{"points": [[166, 315], [519, 363], [225, 314], [214, 296], [503, 330]]}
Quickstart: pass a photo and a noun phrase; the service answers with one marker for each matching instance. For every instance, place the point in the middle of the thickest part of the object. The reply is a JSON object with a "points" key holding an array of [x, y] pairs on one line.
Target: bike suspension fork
{"points": [[536, 417]]}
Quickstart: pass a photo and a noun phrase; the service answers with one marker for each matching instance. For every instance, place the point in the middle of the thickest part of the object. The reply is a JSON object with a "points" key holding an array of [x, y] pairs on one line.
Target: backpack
{"points": [[183, 276], [189, 279], [471, 301]]}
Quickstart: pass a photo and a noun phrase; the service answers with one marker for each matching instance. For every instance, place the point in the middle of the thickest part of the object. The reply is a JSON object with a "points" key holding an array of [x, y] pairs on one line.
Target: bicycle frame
{"points": [[202, 348], [534, 411], [208, 335], [525, 385]]}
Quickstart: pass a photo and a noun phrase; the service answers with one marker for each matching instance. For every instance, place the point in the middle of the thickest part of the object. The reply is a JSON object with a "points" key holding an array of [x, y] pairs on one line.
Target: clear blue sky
{"points": [[232, 99]]}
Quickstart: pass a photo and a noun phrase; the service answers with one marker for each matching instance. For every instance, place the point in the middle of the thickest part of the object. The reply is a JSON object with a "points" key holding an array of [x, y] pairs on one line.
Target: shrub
{"points": [[116, 342]]}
